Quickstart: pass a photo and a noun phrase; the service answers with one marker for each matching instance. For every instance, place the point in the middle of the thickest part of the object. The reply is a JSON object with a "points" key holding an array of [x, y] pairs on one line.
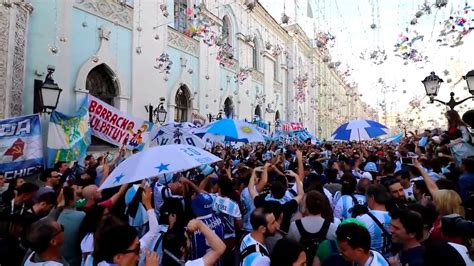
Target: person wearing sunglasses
{"points": [[45, 238], [118, 245]]}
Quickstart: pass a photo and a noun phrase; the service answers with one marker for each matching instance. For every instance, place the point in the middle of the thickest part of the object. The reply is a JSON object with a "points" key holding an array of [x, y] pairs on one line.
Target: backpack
{"points": [[311, 241], [386, 236], [252, 249]]}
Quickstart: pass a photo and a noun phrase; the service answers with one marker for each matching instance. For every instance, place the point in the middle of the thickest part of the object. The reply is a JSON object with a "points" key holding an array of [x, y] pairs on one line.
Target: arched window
{"points": [[229, 108], [255, 54], [227, 30], [182, 103], [258, 112], [101, 82], [277, 115]]}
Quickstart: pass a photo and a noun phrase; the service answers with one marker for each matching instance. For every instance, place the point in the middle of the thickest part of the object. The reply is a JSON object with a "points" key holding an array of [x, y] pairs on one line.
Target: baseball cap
{"points": [[354, 221], [370, 167], [202, 204]]}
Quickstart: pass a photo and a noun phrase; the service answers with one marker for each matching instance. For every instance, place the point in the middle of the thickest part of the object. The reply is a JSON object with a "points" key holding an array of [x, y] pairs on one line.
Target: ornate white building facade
{"points": [[203, 57]]}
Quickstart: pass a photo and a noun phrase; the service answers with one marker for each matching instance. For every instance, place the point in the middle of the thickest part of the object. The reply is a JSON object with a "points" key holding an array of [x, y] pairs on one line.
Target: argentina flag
{"points": [[69, 136]]}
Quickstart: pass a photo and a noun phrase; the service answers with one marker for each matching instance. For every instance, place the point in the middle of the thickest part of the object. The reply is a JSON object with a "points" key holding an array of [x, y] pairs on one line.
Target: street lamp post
{"points": [[49, 92], [159, 113], [432, 84]]}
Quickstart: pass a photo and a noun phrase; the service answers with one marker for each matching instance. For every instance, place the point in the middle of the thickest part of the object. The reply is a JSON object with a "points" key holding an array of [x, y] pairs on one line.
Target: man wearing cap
{"points": [[201, 205]]}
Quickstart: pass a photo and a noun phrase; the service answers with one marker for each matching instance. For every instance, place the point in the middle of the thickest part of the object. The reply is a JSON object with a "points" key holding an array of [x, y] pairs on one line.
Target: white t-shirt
{"points": [[198, 262], [28, 262], [376, 259]]}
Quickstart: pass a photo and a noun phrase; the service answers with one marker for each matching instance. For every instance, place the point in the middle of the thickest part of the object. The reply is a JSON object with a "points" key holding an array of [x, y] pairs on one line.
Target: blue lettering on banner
{"points": [[191, 152], [204, 160], [15, 129]]}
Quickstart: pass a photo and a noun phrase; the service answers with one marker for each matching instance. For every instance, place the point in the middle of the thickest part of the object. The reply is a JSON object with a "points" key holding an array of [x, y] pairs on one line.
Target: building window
{"points": [[255, 54], [182, 104], [227, 30], [229, 108], [102, 83], [180, 7], [258, 112]]}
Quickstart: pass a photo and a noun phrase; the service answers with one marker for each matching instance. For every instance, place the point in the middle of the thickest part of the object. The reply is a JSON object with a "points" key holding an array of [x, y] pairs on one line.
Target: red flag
{"points": [[16, 150]]}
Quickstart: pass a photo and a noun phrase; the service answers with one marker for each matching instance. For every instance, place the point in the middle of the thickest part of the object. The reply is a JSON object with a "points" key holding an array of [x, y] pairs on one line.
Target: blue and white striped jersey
{"points": [[256, 258], [229, 211], [374, 230], [343, 207], [247, 208]]}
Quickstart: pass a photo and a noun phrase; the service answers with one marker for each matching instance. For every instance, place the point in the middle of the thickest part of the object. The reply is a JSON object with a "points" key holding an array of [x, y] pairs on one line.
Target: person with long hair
{"points": [[459, 137], [446, 202]]}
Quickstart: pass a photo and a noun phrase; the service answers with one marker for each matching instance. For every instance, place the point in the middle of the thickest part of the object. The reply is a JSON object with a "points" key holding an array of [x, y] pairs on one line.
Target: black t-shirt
{"points": [[289, 208], [412, 256]]}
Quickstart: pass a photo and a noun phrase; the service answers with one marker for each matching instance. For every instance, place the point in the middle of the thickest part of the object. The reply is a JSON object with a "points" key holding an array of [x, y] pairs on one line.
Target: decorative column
{"points": [[13, 32]]}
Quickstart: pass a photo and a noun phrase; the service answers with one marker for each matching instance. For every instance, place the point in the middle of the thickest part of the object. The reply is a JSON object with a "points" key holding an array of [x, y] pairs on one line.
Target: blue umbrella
{"points": [[358, 130], [234, 130]]}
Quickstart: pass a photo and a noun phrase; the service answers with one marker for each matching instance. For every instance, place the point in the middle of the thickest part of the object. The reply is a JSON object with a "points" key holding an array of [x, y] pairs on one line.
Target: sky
{"points": [[350, 22]]}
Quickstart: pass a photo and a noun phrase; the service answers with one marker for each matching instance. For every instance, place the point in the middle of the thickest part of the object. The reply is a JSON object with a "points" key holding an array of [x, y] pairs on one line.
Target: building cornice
{"points": [[111, 10]]}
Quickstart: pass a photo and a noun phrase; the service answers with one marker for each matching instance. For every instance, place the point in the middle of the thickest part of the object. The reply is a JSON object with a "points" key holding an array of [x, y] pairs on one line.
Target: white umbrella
{"points": [[176, 133], [184, 126], [158, 161]]}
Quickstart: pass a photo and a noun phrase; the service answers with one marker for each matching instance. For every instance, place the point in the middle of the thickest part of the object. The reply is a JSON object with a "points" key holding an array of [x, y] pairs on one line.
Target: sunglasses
{"points": [[136, 250]]}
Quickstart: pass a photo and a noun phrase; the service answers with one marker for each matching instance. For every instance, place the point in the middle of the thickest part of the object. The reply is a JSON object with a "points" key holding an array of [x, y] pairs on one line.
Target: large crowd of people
{"points": [[334, 203]]}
